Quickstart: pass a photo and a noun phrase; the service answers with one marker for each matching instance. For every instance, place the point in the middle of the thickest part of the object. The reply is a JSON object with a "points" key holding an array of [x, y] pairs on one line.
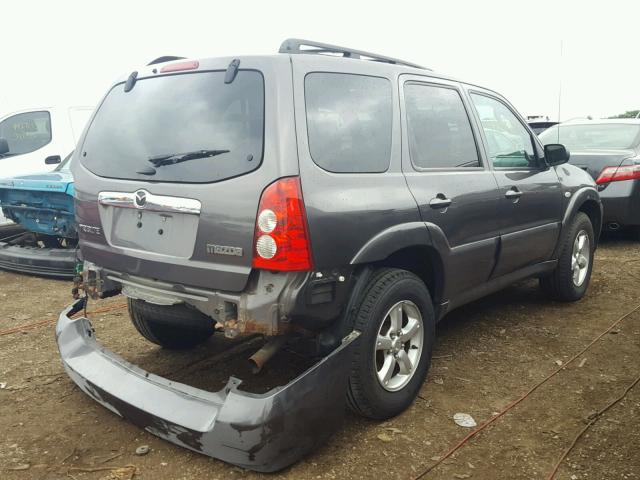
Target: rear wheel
{"points": [[570, 279], [170, 326], [393, 354]]}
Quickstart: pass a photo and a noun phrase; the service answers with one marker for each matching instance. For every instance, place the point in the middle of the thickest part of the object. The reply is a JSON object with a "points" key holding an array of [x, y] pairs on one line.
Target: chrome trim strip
{"points": [[152, 203]]}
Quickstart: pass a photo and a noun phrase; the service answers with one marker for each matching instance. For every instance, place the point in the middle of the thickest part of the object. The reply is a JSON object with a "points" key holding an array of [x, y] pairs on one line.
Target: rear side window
{"points": [[439, 131], [175, 117], [26, 132], [349, 122]]}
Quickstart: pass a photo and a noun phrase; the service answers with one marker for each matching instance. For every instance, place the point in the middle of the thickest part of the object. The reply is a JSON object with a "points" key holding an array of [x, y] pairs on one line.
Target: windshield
{"points": [[598, 136], [174, 114]]}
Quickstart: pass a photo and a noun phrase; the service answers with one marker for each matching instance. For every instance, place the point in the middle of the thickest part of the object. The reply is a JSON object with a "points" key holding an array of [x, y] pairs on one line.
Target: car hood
{"points": [[45, 182], [594, 161]]}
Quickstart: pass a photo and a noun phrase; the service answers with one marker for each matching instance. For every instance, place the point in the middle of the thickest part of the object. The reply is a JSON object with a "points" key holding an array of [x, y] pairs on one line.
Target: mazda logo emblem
{"points": [[141, 198]]}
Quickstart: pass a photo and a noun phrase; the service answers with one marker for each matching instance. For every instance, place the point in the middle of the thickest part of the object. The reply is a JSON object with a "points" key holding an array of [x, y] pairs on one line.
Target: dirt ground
{"points": [[487, 354]]}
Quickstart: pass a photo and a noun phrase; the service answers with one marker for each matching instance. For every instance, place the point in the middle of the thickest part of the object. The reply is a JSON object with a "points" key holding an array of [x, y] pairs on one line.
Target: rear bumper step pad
{"points": [[262, 432]]}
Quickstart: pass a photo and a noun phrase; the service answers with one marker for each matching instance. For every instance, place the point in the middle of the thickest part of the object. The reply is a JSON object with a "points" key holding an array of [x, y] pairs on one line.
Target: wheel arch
{"points": [[407, 246], [593, 210]]}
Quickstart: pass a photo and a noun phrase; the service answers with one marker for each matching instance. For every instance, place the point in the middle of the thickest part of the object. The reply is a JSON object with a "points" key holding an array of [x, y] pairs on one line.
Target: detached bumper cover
{"points": [[49, 262], [260, 432]]}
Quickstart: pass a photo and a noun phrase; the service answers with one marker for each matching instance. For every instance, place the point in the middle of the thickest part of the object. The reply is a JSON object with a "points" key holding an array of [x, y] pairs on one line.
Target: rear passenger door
{"points": [[530, 195], [456, 193]]}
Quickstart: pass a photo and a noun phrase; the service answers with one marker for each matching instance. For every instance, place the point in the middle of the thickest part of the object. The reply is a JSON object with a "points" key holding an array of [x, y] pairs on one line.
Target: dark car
{"points": [[353, 199], [610, 151]]}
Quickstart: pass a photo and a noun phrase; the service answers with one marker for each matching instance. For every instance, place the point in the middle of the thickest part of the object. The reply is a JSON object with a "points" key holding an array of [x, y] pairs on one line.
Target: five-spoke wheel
{"points": [[399, 345]]}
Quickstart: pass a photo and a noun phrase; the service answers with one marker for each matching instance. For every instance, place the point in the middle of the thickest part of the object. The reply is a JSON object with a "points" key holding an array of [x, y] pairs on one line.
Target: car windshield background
{"points": [[509, 142], [349, 121], [439, 130], [26, 132], [176, 114], [599, 136]]}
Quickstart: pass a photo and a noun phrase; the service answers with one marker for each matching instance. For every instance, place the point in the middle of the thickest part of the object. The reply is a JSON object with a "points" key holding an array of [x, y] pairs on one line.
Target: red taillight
{"points": [[281, 240], [176, 67], [617, 174]]}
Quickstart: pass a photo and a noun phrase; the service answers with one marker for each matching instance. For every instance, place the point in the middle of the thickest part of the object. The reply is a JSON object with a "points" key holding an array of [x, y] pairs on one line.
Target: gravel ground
{"points": [[487, 354]]}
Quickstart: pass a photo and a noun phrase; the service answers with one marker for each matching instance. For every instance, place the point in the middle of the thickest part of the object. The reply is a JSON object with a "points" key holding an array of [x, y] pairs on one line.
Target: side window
{"points": [[439, 131], [509, 142], [26, 132], [349, 121]]}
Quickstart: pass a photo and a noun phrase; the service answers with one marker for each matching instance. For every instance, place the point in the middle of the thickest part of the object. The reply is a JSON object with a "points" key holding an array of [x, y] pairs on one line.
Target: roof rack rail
{"points": [[295, 45]]}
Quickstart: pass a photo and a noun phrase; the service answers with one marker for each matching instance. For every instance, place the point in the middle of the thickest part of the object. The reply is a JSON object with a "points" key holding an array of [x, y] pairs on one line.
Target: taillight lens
{"points": [[281, 240], [617, 174]]}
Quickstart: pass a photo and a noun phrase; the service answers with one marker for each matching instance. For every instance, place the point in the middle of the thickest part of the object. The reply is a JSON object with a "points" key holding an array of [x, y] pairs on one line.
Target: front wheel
{"points": [[393, 354], [570, 279]]}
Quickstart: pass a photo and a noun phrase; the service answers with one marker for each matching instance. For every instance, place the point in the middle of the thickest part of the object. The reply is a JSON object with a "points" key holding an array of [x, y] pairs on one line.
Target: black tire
{"points": [[366, 395], [174, 327], [559, 285]]}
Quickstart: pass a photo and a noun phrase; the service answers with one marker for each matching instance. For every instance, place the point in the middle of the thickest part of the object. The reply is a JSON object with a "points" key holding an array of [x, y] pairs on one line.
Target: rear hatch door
{"points": [[171, 171]]}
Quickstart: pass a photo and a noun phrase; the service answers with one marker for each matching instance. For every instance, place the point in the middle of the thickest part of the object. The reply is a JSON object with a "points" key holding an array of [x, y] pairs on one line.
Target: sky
{"points": [[68, 52]]}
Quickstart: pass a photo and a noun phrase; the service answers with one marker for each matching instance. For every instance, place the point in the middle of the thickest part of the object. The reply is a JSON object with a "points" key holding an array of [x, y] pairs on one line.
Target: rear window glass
{"points": [[175, 117], [593, 136], [349, 121]]}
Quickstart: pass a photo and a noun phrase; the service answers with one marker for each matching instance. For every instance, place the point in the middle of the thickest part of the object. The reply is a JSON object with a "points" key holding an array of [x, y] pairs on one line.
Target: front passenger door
{"points": [[531, 198]]}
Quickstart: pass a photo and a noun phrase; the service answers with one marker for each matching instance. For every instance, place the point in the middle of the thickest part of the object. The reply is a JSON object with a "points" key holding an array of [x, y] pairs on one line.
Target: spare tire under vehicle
{"points": [[170, 326]]}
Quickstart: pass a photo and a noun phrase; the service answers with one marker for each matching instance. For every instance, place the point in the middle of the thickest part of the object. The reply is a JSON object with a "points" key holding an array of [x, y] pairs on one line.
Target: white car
{"points": [[35, 140]]}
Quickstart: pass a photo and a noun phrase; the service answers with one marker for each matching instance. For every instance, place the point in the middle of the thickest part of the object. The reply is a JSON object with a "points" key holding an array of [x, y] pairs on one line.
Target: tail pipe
{"points": [[262, 356]]}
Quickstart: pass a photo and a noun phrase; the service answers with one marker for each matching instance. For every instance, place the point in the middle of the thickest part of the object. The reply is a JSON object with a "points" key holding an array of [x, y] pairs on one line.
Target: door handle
{"points": [[513, 193], [440, 201]]}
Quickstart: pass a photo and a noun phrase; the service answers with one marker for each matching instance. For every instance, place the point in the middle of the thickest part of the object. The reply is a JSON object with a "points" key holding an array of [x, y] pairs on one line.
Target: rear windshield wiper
{"points": [[171, 159]]}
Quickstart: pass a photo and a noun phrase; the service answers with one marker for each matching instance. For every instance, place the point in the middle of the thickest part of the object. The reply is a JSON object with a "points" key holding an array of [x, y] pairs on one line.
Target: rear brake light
{"points": [[617, 174], [281, 240], [176, 67]]}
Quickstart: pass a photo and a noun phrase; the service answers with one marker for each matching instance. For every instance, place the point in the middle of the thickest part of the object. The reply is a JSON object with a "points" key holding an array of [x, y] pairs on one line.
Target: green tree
{"points": [[627, 114]]}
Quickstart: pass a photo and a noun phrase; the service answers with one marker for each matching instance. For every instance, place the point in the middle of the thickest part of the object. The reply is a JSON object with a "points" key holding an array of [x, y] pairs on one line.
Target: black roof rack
{"points": [[295, 45]]}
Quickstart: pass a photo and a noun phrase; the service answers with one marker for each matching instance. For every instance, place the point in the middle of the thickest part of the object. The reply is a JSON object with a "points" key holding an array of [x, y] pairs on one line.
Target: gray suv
{"points": [[324, 192]]}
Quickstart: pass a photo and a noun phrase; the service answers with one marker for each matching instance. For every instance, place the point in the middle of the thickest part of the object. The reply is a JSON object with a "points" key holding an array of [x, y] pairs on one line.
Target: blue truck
{"points": [[44, 238]]}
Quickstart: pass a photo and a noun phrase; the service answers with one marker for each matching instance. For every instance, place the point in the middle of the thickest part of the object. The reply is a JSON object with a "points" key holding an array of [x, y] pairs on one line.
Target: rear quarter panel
{"points": [[346, 210]]}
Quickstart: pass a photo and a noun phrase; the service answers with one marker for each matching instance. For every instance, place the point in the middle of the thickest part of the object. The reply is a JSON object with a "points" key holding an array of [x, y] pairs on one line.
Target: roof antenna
{"points": [[560, 91]]}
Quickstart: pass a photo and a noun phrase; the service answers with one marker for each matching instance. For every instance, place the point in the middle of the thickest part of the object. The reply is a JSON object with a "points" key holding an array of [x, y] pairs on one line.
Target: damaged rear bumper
{"points": [[48, 262], [262, 432]]}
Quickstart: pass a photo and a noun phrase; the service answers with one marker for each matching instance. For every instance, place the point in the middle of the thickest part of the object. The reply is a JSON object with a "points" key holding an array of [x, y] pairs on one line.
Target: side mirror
{"points": [[4, 146], [556, 154], [53, 160]]}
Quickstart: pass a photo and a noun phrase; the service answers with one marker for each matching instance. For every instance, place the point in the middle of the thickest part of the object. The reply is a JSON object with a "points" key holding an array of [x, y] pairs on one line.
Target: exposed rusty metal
{"points": [[263, 355], [244, 325]]}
